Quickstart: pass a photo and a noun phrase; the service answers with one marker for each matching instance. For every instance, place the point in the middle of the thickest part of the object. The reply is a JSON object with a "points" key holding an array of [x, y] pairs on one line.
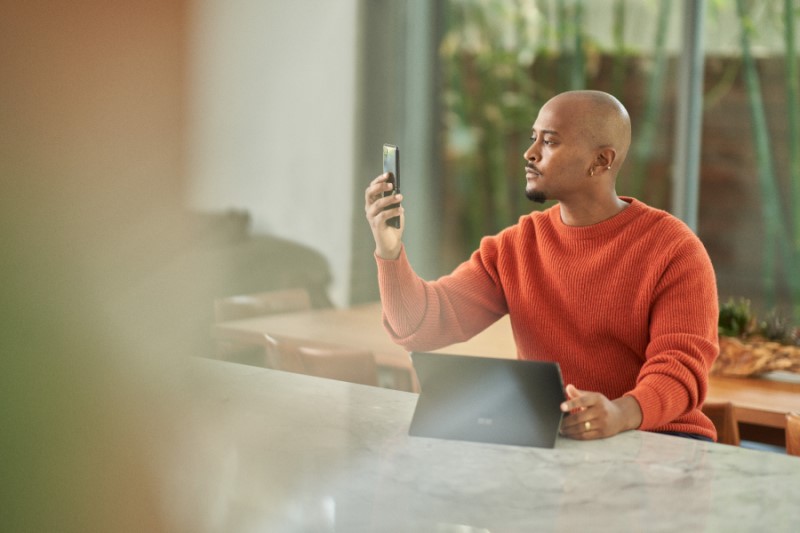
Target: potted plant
{"points": [[750, 346]]}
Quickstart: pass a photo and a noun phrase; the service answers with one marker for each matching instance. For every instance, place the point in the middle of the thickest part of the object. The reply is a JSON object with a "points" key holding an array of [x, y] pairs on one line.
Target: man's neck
{"points": [[587, 213]]}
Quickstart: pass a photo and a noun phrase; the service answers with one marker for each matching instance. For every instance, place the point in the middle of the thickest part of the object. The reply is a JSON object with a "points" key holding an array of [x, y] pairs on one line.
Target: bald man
{"points": [[622, 295]]}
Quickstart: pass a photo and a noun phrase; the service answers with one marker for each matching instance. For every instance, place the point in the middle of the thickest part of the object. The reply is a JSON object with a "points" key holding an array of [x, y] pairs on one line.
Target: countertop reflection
{"points": [[272, 451]]}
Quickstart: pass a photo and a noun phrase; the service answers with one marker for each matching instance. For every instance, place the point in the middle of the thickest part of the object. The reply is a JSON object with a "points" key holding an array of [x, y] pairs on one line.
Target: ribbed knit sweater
{"points": [[627, 306]]}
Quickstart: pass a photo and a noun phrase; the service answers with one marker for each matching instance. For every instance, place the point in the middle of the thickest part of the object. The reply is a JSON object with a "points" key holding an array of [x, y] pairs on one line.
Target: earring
{"points": [[608, 167], [591, 172]]}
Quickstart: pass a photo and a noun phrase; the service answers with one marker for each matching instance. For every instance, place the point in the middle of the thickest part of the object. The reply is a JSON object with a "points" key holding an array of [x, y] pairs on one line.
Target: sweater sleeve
{"points": [[426, 315], [683, 337]]}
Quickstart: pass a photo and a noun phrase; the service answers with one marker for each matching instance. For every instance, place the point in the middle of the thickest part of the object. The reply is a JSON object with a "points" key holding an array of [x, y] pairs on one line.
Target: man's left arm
{"points": [[684, 339], [683, 345]]}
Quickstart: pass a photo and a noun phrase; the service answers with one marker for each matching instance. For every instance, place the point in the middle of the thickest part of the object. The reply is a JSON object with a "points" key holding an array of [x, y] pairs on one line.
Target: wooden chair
{"points": [[253, 305], [723, 415], [263, 303], [793, 433], [314, 359]]}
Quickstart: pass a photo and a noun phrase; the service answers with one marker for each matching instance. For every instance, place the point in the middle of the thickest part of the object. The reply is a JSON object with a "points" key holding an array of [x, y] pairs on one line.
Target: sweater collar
{"points": [[602, 229]]}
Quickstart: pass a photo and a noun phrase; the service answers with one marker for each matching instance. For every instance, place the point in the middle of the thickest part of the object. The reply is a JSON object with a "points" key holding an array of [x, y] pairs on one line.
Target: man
{"points": [[623, 296]]}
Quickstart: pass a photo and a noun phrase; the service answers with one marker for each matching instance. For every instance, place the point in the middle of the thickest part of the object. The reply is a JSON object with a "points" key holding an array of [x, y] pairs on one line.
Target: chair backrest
{"points": [[355, 366], [261, 303], [793, 433], [321, 360], [723, 415]]}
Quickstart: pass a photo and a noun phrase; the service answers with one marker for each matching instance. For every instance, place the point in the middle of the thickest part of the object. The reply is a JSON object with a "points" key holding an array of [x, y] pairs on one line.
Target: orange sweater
{"points": [[627, 306]]}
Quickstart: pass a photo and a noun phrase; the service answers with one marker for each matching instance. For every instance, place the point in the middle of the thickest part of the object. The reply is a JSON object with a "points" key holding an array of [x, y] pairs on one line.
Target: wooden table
{"points": [[356, 327], [761, 402]]}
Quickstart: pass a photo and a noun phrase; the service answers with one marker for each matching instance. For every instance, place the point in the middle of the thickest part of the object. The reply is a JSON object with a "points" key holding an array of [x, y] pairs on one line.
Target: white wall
{"points": [[271, 118]]}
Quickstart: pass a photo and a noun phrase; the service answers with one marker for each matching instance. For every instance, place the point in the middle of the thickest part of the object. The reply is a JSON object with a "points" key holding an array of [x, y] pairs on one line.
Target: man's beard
{"points": [[536, 196]]}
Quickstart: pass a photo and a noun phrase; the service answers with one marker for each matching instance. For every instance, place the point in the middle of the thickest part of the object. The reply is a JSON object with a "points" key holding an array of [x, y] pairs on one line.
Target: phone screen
{"points": [[391, 163]]}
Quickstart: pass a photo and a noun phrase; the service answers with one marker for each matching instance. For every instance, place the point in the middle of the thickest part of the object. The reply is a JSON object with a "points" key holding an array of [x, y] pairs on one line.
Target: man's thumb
{"points": [[573, 392]]}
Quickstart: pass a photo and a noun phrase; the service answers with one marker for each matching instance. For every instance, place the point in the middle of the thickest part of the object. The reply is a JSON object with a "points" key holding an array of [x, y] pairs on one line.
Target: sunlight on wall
{"points": [[271, 119]]}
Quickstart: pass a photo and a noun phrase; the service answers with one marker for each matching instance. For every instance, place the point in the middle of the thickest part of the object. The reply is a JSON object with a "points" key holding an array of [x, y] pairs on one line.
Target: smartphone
{"points": [[391, 164]]}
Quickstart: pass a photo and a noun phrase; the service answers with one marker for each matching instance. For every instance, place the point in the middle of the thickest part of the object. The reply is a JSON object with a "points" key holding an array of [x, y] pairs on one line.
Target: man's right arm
{"points": [[424, 315]]}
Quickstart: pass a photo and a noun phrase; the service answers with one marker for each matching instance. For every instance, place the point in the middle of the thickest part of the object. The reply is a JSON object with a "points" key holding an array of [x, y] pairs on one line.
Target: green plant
{"points": [[776, 327], [736, 318]]}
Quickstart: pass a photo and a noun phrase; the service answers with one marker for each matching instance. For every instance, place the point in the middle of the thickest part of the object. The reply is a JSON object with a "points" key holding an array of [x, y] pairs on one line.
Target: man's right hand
{"points": [[388, 241]]}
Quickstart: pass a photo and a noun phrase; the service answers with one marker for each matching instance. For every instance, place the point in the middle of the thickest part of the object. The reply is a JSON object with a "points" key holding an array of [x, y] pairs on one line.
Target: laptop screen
{"points": [[484, 399]]}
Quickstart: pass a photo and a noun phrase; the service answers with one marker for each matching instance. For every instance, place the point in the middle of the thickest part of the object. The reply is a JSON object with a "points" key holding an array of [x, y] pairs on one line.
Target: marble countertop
{"points": [[272, 451]]}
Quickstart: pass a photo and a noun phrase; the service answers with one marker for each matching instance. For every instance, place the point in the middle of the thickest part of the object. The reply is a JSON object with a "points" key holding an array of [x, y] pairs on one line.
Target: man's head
{"points": [[579, 141]]}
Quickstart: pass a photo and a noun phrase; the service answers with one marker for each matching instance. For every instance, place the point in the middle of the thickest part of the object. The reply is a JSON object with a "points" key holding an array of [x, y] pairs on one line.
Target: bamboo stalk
{"points": [[562, 32], [792, 91], [578, 79], [618, 70], [643, 148], [776, 235]]}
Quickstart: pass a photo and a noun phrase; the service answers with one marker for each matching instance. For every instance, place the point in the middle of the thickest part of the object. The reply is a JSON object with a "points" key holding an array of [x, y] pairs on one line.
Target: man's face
{"points": [[559, 158]]}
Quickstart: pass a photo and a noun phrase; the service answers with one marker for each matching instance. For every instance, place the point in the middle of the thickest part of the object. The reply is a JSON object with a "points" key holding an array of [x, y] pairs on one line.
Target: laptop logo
{"points": [[485, 421]]}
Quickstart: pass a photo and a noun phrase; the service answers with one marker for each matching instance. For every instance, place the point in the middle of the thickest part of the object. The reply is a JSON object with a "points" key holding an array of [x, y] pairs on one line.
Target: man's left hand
{"points": [[593, 416]]}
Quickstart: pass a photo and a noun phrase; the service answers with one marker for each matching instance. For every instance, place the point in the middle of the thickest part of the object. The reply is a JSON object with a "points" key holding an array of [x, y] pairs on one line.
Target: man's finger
{"points": [[581, 403], [577, 399]]}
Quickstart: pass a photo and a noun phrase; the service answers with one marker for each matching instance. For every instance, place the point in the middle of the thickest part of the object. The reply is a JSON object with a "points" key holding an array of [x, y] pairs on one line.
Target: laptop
{"points": [[484, 399]]}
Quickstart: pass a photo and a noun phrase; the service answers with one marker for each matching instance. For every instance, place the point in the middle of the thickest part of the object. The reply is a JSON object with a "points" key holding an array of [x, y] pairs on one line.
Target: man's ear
{"points": [[606, 157]]}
